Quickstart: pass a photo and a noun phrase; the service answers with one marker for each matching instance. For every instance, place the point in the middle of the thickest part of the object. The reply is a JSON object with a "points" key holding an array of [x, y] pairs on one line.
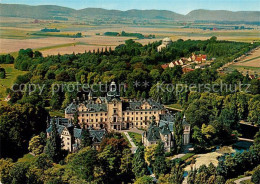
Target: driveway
{"points": [[133, 148]]}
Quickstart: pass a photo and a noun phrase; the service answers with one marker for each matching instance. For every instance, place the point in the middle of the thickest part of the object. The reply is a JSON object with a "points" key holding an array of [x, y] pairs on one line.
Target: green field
{"points": [[175, 106], [11, 74], [137, 138]]}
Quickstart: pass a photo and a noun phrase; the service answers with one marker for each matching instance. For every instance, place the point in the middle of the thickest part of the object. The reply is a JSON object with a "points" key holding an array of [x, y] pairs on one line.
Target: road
{"points": [[133, 148]]}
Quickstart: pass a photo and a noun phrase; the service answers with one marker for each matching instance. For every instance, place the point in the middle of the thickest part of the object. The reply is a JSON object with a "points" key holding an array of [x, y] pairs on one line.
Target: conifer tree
{"points": [[53, 145], [76, 119], [159, 166], [86, 140], [139, 165]]}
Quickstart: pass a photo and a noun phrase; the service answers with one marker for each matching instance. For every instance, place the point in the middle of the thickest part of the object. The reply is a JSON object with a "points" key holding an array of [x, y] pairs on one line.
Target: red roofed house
{"points": [[204, 57], [198, 59], [164, 66], [186, 70]]}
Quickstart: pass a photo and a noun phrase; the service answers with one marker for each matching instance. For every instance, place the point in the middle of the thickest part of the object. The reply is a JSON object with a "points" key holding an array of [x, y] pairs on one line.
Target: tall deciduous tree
{"points": [[36, 145]]}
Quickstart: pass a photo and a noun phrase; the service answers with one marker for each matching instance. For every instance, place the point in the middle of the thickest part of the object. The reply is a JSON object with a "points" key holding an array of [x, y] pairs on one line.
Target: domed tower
{"points": [[165, 43], [113, 92]]}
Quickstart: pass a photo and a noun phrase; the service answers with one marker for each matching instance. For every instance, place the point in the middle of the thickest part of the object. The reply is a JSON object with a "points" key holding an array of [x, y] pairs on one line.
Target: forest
{"points": [[214, 116]]}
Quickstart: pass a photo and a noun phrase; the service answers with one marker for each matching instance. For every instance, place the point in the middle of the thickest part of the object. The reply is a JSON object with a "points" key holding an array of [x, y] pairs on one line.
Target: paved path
{"points": [[135, 130], [178, 156], [133, 148], [243, 179]]}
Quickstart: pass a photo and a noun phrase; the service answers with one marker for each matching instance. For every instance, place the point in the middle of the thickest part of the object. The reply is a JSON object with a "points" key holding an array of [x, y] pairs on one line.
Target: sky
{"points": [[178, 6]]}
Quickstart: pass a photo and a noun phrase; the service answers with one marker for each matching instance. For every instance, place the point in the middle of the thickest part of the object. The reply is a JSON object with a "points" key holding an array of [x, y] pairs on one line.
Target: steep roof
{"points": [[77, 133], [184, 122], [136, 105], [71, 109], [153, 133], [97, 134]]}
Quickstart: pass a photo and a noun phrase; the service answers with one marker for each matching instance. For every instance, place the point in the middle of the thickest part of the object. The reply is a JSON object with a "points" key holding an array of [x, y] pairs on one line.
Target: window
{"points": [[136, 118], [141, 118], [145, 112], [136, 124], [91, 114], [132, 119], [68, 138], [105, 114], [141, 112], [127, 113], [68, 143], [96, 114], [87, 114], [114, 111], [136, 112], [132, 113], [114, 104], [150, 112], [96, 120]]}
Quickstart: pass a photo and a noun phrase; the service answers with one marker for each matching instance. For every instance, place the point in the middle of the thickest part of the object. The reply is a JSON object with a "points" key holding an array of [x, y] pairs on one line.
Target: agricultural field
{"points": [[18, 33], [249, 64]]}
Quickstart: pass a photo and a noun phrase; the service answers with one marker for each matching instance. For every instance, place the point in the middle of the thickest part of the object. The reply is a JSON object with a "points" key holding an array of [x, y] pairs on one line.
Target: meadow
{"points": [[11, 75]]}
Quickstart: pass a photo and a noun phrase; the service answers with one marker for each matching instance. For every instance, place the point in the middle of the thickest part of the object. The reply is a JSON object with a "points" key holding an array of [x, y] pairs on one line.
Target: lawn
{"points": [[187, 155], [57, 113], [11, 75], [135, 137], [175, 106], [27, 158]]}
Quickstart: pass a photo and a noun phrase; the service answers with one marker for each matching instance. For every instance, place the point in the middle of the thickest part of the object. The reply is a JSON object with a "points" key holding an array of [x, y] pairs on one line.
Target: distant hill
{"points": [[223, 15], [57, 12], [36, 12]]}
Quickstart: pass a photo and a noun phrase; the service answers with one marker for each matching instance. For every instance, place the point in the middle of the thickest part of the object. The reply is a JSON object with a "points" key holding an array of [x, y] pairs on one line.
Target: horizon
{"points": [[181, 7]]}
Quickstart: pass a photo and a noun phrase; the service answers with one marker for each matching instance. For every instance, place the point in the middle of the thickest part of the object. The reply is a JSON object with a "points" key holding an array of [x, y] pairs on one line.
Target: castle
{"points": [[114, 113]]}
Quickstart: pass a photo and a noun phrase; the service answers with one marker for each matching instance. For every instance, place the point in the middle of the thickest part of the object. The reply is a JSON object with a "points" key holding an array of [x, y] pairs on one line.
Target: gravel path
{"points": [[243, 179]]}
